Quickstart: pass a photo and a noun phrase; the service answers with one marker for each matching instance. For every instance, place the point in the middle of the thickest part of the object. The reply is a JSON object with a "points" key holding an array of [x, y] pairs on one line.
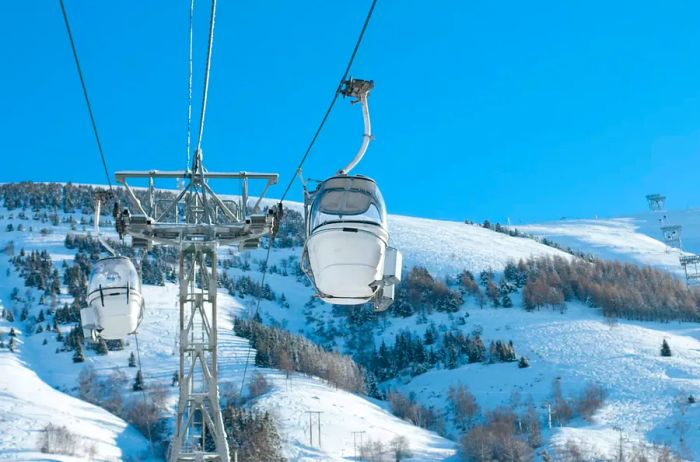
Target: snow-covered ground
{"points": [[635, 239], [448, 247], [342, 412], [28, 405], [646, 391]]}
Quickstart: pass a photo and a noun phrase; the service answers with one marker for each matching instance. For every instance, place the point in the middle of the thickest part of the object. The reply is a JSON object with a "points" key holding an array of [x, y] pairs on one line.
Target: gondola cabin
{"points": [[347, 254], [115, 302]]}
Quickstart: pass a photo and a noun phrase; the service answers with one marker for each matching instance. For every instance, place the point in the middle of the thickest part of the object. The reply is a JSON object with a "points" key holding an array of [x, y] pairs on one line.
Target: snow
{"points": [[28, 404], [157, 336], [635, 239], [448, 247], [646, 391]]}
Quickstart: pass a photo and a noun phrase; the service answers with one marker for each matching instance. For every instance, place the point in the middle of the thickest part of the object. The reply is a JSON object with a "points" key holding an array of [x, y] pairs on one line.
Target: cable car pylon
{"points": [[197, 221]]}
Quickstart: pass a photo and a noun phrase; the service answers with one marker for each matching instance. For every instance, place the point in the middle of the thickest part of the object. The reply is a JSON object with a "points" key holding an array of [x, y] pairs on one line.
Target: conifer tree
{"points": [[523, 362], [506, 301], [132, 360], [665, 349], [102, 347], [78, 356], [138, 382]]}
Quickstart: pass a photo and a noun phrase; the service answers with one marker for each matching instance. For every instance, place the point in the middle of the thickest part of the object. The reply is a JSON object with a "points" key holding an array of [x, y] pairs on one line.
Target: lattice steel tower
{"points": [[656, 202], [197, 221]]}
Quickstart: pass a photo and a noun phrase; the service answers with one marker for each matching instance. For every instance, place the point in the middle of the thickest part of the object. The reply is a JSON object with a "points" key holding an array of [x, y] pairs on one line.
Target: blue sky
{"points": [[524, 110]]}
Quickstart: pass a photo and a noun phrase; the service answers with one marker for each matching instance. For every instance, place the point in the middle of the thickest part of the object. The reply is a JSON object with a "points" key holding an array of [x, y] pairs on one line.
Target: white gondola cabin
{"points": [[347, 253], [115, 303]]}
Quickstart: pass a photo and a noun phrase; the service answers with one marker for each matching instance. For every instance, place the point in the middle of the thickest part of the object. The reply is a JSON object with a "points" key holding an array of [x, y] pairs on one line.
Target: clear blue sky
{"points": [[482, 109]]}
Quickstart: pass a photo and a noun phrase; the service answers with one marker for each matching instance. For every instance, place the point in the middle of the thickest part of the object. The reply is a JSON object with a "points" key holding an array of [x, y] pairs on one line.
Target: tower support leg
{"points": [[199, 428]]}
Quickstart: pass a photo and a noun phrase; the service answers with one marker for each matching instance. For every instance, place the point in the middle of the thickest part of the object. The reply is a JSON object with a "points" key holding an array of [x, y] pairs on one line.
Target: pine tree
{"points": [[431, 334], [102, 347], [138, 382], [665, 349], [175, 379], [78, 354], [132, 360], [13, 333], [506, 301], [523, 363], [45, 342]]}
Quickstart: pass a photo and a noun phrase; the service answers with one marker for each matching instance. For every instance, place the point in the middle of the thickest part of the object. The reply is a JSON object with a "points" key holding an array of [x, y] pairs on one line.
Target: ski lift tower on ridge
{"points": [[672, 236], [207, 222], [690, 266], [657, 202]]}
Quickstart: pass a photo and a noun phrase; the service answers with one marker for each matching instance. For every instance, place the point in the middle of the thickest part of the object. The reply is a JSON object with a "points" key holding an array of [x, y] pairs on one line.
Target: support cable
{"points": [[207, 69], [298, 170], [333, 101], [257, 310], [143, 391], [85, 93], [189, 91]]}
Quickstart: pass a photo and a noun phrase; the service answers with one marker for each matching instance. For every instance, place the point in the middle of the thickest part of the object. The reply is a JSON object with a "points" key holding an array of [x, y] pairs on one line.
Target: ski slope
{"points": [[635, 239], [646, 391], [343, 412], [449, 247], [28, 405]]}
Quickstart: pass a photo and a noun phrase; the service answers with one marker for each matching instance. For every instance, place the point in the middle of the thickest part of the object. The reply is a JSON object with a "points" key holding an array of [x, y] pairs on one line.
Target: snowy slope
{"points": [[646, 392], [636, 239], [28, 404], [448, 247], [288, 401], [578, 346]]}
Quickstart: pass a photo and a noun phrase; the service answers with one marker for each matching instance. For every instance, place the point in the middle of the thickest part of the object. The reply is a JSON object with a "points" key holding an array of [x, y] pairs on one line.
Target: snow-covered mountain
{"points": [[646, 394]]}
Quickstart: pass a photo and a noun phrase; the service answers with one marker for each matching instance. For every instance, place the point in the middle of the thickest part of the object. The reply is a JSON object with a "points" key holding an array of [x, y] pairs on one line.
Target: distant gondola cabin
{"points": [[115, 302]]}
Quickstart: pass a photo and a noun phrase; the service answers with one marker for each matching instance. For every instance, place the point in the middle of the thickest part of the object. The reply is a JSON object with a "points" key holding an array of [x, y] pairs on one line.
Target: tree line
{"points": [[293, 353], [414, 354], [618, 289]]}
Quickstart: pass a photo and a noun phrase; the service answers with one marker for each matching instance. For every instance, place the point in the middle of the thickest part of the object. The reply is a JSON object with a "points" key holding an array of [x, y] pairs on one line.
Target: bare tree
{"points": [[258, 386], [400, 448], [464, 405], [57, 439]]}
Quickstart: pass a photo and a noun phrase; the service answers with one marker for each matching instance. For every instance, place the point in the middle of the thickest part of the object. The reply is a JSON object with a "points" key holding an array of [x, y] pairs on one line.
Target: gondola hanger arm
{"points": [[98, 206], [359, 89]]}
